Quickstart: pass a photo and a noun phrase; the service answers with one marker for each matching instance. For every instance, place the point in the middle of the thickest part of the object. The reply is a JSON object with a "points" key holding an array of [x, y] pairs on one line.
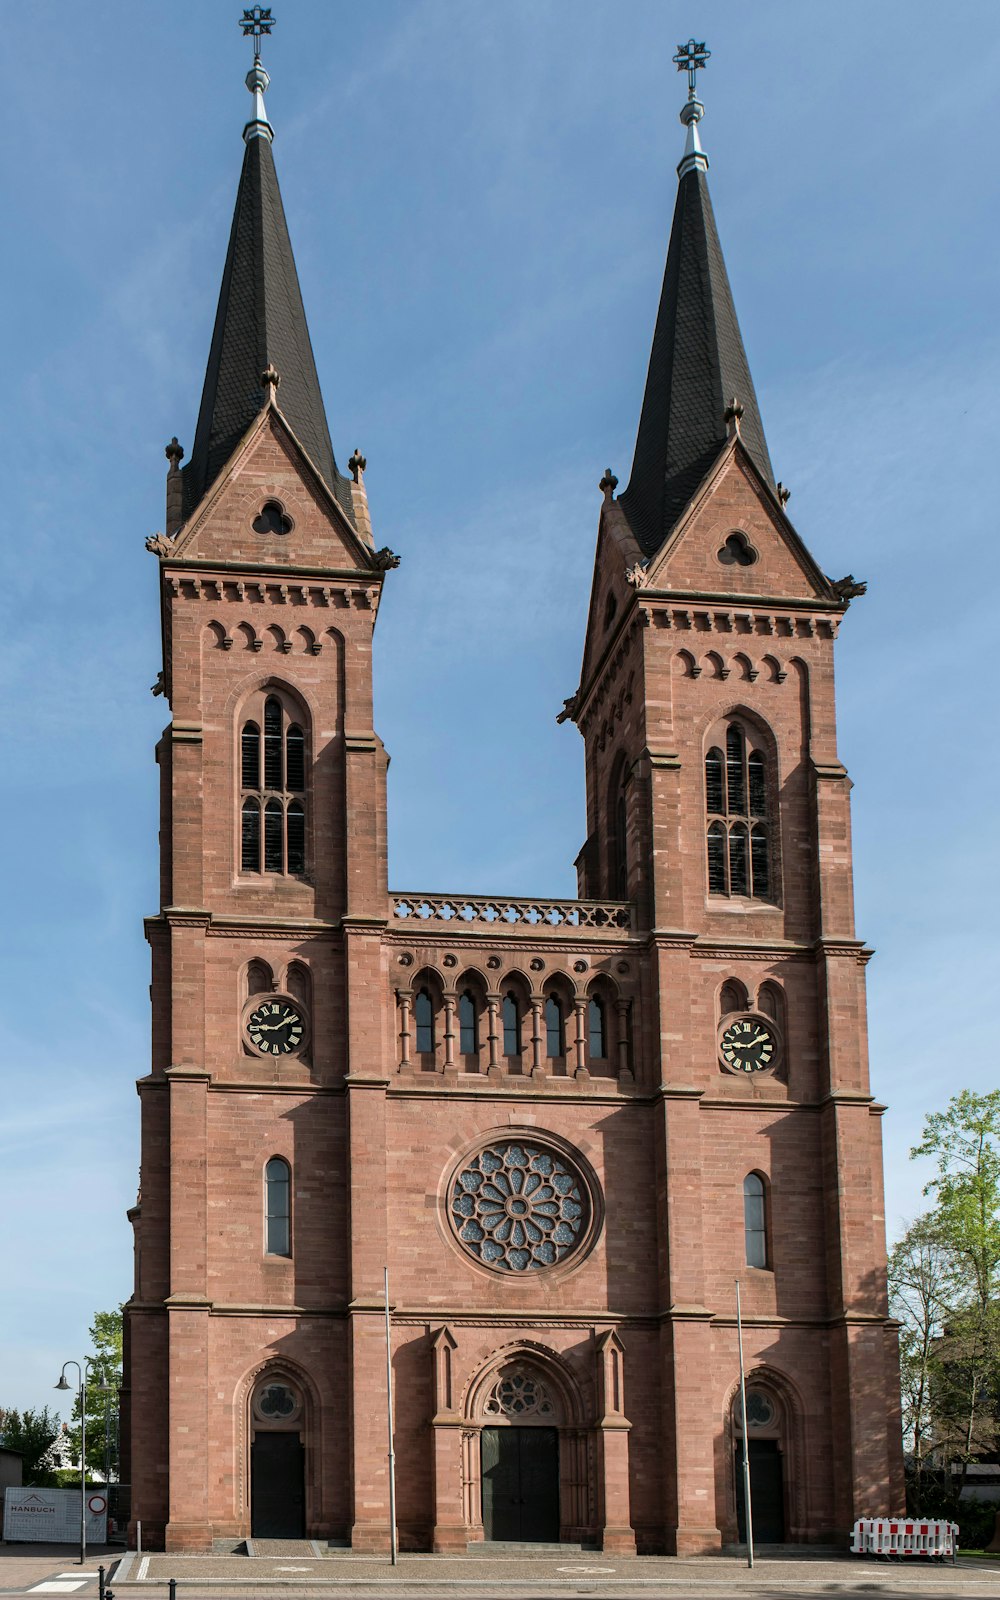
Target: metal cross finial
{"points": [[689, 58], [255, 21]]}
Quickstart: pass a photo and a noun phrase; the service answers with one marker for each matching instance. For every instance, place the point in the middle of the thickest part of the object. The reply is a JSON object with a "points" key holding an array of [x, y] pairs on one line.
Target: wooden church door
{"points": [[520, 1469]]}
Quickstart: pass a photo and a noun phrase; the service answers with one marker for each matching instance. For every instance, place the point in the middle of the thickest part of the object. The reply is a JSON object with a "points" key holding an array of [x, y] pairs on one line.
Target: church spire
{"points": [[698, 367], [260, 324]]}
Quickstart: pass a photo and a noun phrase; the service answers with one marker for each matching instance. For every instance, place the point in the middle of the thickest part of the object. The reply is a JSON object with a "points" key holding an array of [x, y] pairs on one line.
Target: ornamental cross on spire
{"points": [[689, 58], [255, 22]]}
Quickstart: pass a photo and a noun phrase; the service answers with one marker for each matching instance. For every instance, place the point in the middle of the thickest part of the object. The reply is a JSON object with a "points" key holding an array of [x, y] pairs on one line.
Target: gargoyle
{"points": [[159, 687], [385, 559], [160, 544], [569, 709], [636, 575], [846, 588]]}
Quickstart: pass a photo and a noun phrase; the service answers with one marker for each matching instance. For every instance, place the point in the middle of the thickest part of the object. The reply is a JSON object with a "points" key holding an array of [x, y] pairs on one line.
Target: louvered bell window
{"points": [[738, 849], [272, 783]]}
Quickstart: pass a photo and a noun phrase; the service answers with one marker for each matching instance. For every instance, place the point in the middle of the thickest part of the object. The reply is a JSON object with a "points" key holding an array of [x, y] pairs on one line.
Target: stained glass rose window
{"points": [[518, 1206]]}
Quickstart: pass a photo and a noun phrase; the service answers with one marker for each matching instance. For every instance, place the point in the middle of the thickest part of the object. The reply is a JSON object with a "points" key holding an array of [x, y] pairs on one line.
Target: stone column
{"points": [[537, 1040], [449, 1034], [580, 1041], [405, 999], [493, 1035]]}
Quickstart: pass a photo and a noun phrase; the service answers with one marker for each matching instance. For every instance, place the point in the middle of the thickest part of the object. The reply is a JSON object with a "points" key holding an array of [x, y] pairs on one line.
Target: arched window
{"points": [[755, 1219], [277, 1207], [737, 843], [250, 836], [511, 1024], [468, 1023], [423, 1016], [596, 1030], [272, 770], [274, 829], [555, 1028], [250, 755], [733, 997]]}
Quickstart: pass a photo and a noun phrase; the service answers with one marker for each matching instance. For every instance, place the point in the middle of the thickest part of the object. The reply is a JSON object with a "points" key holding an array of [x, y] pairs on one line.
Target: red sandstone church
{"points": [[565, 1126]]}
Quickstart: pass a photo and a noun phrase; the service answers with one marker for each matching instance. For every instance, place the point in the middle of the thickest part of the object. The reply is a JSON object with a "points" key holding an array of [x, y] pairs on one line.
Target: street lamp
{"points": [[62, 1384]]}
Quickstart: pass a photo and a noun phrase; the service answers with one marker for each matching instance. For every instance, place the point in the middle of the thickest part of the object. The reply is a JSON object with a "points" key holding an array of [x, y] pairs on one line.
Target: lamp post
{"points": [[82, 1373]]}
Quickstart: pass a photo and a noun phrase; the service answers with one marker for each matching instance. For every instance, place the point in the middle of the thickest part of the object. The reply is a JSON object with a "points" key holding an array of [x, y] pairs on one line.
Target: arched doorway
{"points": [[528, 1462], [277, 1460], [767, 1457], [519, 1461]]}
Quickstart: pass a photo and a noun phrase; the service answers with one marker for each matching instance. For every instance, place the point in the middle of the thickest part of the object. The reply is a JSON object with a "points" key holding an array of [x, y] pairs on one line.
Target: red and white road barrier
{"points": [[890, 1536]]}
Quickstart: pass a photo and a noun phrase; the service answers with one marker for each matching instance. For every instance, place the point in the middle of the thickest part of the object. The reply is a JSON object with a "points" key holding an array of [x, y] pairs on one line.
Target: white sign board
{"points": [[53, 1515]]}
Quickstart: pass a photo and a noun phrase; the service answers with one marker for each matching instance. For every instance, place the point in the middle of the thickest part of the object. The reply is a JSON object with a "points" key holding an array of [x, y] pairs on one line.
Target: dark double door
{"points": [[767, 1492], [520, 1469], [277, 1487]]}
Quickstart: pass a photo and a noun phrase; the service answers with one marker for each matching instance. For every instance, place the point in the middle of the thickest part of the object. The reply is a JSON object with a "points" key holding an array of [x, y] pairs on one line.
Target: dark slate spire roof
{"points": [[260, 322], [698, 364]]}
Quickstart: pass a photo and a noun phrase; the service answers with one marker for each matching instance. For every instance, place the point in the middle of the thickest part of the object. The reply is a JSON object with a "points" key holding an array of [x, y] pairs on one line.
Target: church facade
{"points": [[565, 1127]]}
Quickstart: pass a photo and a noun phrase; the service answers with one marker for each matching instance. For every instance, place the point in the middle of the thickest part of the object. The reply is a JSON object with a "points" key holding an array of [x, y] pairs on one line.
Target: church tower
{"points": [[563, 1127]]}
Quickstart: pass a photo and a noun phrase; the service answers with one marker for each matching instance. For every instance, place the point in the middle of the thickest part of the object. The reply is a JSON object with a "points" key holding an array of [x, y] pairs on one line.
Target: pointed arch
{"points": [[273, 769], [741, 808]]}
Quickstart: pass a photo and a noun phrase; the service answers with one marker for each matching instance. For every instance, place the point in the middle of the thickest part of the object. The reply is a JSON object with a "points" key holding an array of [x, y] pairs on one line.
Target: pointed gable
{"points": [[260, 323], [697, 366]]}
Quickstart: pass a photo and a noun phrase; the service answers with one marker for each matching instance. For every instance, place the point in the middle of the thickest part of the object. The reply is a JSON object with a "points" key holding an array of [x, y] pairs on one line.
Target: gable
{"points": [[733, 502], [269, 508]]}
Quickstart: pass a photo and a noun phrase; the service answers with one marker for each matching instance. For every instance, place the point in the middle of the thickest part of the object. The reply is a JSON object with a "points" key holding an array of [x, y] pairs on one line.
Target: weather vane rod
{"points": [[689, 58], [257, 21]]}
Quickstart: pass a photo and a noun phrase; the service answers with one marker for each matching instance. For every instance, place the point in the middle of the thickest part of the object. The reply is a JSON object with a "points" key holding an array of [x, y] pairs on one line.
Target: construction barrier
{"points": [[888, 1537]]}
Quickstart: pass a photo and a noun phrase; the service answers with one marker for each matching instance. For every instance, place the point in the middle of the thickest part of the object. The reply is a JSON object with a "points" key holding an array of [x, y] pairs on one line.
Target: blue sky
{"points": [[480, 197]]}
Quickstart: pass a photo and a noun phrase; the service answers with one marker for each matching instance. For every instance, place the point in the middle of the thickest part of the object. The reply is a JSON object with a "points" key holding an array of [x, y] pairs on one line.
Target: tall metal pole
{"points": [[747, 1510], [393, 1541], [83, 1464]]}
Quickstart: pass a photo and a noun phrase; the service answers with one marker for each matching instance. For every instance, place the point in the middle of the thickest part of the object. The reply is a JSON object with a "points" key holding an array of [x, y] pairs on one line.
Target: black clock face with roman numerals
{"points": [[275, 1028], [748, 1046]]}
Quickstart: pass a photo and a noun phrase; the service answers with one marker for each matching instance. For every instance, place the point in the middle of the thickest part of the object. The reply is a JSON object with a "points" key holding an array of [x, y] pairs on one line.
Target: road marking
{"points": [[309, 1569], [581, 1572], [144, 1563], [57, 1586]]}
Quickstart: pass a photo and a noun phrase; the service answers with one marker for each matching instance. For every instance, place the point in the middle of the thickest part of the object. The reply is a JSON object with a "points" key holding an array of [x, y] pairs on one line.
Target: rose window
{"points": [[516, 1207]]}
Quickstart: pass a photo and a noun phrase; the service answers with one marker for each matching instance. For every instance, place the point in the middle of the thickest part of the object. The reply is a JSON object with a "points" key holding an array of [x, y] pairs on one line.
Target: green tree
{"points": [[945, 1285], [32, 1433], [103, 1382], [919, 1282]]}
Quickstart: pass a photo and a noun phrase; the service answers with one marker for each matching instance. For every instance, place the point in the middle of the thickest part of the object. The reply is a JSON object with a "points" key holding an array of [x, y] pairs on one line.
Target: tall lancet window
{"points": [[272, 757], [736, 803]]}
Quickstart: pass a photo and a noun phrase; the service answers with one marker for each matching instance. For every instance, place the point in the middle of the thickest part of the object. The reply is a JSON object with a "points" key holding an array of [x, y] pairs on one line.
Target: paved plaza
{"points": [[47, 1570]]}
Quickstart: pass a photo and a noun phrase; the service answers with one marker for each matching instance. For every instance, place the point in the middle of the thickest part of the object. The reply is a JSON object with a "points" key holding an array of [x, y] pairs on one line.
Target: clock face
{"points": [[275, 1028], [748, 1046]]}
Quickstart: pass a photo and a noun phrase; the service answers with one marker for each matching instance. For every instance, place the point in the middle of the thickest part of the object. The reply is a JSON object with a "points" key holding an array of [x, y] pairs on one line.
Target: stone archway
{"points": [[778, 1492], [276, 1418], [527, 1452]]}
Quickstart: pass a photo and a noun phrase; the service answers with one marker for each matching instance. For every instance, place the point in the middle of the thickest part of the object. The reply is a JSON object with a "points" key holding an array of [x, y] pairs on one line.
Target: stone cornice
{"points": [[595, 1091], [202, 567]]}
